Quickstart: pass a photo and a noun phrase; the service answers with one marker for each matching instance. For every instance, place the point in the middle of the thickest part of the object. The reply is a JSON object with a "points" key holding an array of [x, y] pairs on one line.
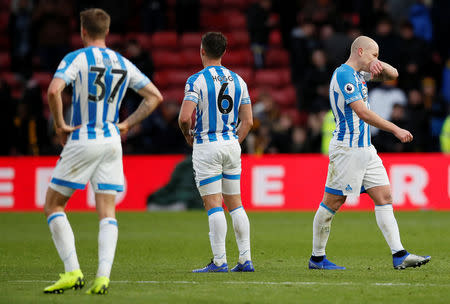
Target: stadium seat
{"points": [[211, 21], [285, 97], [115, 40], [4, 42], [190, 41], [191, 58], [5, 61], [237, 40], [76, 42], [165, 40], [246, 73], [239, 58], [298, 118], [144, 40], [4, 21], [173, 95], [173, 79], [43, 79], [275, 40], [164, 59], [277, 58], [210, 4], [241, 5], [233, 20], [269, 78]]}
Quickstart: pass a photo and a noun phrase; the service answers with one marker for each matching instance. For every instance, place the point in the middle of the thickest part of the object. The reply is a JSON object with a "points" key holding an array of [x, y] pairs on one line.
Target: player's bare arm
{"points": [[246, 117], [375, 120], [382, 71], [185, 120], [56, 108], [152, 98]]}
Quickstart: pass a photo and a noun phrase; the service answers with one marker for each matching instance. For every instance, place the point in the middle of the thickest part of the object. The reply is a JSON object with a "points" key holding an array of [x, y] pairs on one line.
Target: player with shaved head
{"points": [[354, 165]]}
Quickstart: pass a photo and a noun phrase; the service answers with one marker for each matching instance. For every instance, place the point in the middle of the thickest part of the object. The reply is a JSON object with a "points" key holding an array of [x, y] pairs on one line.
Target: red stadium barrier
{"points": [[271, 182]]}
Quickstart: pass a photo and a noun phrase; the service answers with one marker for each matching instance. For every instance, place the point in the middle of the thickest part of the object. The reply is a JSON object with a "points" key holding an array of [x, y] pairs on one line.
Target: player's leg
{"points": [[321, 230], [63, 184], [207, 165], [107, 239], [344, 177], [231, 188], [107, 180], [377, 186]]}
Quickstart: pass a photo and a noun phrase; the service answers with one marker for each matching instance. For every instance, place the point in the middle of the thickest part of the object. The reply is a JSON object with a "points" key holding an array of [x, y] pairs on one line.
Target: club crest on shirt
{"points": [[349, 88]]}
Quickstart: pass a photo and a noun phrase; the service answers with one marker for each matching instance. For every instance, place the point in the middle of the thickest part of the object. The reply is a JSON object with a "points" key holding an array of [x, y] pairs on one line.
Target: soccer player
{"points": [[354, 164], [92, 146], [220, 97]]}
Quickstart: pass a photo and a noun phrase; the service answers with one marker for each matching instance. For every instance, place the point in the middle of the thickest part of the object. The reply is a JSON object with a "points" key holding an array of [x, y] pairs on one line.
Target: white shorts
{"points": [[217, 167], [354, 170], [99, 163]]}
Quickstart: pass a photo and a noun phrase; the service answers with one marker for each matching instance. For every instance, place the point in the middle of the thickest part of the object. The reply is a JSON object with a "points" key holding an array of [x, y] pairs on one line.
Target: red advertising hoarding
{"points": [[269, 182]]}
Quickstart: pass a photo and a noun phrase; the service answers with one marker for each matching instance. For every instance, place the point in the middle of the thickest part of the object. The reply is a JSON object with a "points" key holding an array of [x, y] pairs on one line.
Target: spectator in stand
{"points": [[265, 110], [159, 133], [336, 44], [446, 80], [418, 122], [6, 118], [259, 25], [187, 15], [20, 37], [30, 126], [385, 141], [419, 16], [315, 85], [153, 16], [382, 100], [314, 124], [52, 32], [299, 141], [387, 40], [281, 135], [303, 44], [140, 58], [412, 57], [435, 103]]}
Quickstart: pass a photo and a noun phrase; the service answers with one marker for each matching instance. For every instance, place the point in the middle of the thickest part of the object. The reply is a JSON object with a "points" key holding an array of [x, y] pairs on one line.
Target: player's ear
{"points": [[107, 32], [360, 51]]}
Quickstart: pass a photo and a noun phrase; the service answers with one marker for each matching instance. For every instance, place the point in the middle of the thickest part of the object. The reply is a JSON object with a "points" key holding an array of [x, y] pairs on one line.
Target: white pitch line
{"points": [[261, 283]]}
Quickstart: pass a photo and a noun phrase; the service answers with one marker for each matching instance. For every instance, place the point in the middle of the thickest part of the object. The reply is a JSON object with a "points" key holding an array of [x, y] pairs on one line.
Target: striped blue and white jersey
{"points": [[218, 93], [99, 77], [347, 86]]}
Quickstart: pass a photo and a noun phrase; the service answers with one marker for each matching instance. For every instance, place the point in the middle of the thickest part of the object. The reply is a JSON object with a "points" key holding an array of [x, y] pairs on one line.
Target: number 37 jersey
{"points": [[99, 77], [218, 93]]}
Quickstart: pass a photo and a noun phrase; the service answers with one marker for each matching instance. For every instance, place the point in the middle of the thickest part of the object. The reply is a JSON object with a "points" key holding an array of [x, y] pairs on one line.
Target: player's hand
{"points": [[403, 135], [123, 127], [375, 67], [63, 132], [189, 138]]}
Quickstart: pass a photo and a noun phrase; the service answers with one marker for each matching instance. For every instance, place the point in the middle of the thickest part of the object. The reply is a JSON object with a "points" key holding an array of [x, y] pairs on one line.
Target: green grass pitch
{"points": [[157, 251]]}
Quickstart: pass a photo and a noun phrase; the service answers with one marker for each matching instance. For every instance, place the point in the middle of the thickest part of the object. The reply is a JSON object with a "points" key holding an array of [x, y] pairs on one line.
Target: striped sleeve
{"points": [[191, 90], [245, 95], [68, 68], [137, 79]]}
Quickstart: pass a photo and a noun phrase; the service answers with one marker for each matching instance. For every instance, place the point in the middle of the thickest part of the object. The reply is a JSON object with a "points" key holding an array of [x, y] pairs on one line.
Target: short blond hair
{"points": [[96, 22]]}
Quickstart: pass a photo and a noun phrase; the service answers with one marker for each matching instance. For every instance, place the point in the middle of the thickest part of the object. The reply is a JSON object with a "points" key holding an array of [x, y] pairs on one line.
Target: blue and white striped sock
{"points": [[64, 240], [321, 229], [241, 227], [217, 234], [107, 240]]}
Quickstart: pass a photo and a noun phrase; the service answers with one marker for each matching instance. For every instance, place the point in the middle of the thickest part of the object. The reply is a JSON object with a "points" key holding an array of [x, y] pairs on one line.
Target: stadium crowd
{"points": [[287, 55]]}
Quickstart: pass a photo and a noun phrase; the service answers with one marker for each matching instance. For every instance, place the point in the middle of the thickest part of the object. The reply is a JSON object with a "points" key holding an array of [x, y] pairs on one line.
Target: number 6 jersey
{"points": [[99, 77], [218, 93]]}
